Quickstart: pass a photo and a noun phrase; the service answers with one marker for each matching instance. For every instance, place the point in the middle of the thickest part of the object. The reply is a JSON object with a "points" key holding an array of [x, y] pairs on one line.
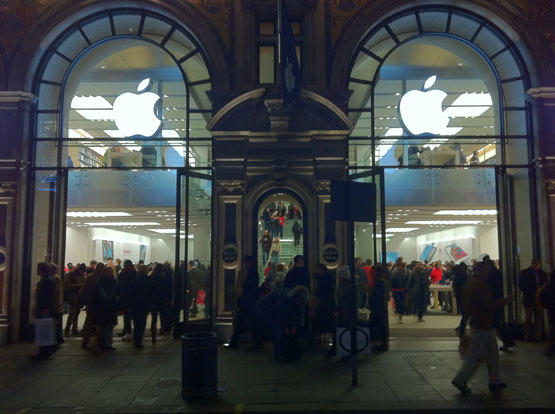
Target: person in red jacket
{"points": [[281, 219], [437, 273], [368, 269]]}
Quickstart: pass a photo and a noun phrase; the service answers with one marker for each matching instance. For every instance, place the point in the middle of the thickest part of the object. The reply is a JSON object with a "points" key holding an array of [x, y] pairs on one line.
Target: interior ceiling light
{"points": [[402, 229], [124, 223], [165, 231], [97, 214], [90, 102], [447, 222], [469, 104], [466, 212]]}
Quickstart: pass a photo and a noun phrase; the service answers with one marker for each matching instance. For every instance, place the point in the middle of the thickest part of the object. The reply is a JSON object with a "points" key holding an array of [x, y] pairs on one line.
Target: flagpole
{"points": [[279, 30]]}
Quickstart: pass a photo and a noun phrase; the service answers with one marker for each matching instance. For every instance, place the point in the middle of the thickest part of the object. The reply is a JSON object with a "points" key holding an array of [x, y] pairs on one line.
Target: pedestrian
{"points": [[247, 293], [494, 280], [530, 280], [266, 244], [281, 220], [480, 307], [344, 297], [378, 305], [275, 250], [297, 233], [418, 286], [459, 280], [118, 266], [361, 283], [105, 306], [126, 279], [87, 295], [281, 272], [72, 285], [159, 298], [266, 219], [167, 323], [399, 283], [140, 305], [546, 299], [58, 310], [45, 305], [194, 282], [436, 274], [323, 303]]}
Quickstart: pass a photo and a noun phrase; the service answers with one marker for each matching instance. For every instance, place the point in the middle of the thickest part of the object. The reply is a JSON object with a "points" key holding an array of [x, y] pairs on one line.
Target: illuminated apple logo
{"points": [[422, 111], [135, 114]]}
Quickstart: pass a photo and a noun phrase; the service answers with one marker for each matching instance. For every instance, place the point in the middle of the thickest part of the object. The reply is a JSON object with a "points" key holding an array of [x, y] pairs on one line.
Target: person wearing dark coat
{"points": [[378, 305], [140, 305], [297, 233], [45, 306], [399, 283], [159, 298], [418, 287], [266, 219], [459, 280], [72, 285], [126, 279], [324, 306], [266, 244], [280, 315], [546, 299], [530, 280], [297, 275], [168, 321], [494, 279], [246, 305], [105, 306]]}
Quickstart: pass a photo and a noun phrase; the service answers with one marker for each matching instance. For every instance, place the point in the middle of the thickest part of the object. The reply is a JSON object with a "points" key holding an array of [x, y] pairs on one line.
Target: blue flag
{"points": [[290, 70]]}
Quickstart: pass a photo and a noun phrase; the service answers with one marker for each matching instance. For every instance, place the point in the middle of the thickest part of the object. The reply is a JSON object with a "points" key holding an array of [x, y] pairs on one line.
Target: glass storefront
{"points": [[122, 155]]}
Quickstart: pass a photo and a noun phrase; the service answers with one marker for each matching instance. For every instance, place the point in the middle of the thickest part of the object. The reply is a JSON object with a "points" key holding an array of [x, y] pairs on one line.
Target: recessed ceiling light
{"points": [[484, 212], [97, 214], [439, 222], [402, 229], [124, 223]]}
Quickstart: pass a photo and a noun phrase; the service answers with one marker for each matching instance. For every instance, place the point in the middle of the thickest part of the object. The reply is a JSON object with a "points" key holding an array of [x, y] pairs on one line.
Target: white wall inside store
{"points": [[474, 240]]}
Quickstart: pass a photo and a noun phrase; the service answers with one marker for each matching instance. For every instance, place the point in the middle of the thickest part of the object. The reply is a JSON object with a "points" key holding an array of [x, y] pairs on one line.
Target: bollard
{"points": [[199, 366]]}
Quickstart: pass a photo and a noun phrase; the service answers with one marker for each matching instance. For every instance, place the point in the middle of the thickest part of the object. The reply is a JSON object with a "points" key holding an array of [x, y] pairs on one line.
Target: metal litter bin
{"points": [[199, 365]]}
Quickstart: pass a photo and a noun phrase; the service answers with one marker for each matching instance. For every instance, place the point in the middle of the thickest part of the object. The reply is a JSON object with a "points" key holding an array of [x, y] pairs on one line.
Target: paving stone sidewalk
{"points": [[414, 375]]}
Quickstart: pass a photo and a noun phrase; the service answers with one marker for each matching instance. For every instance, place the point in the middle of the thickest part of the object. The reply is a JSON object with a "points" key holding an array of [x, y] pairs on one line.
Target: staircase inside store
{"points": [[288, 249]]}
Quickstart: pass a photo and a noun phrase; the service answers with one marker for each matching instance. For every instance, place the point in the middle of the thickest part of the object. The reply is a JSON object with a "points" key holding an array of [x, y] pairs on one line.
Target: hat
{"points": [[343, 272], [82, 267]]}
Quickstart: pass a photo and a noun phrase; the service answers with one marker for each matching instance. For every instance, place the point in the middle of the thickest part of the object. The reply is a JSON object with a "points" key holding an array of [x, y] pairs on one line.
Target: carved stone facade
{"points": [[230, 187]]}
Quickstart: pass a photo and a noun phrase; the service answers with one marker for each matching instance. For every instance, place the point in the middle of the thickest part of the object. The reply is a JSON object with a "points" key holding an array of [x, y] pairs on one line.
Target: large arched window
{"points": [[442, 127], [100, 59]]}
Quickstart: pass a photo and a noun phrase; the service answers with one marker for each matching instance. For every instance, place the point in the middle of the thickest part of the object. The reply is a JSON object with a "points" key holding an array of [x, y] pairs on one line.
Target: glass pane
{"points": [[266, 64], [266, 28], [406, 24], [200, 153], [463, 26], [516, 151], [426, 220], [56, 69], [515, 122], [197, 125], [364, 68], [200, 97], [49, 96], [296, 28], [46, 154], [434, 21], [98, 29], [381, 43], [45, 187], [47, 125], [438, 151], [514, 93], [155, 27], [360, 154], [73, 45], [488, 41], [362, 122], [195, 69], [360, 97], [506, 65], [197, 236], [127, 23]]}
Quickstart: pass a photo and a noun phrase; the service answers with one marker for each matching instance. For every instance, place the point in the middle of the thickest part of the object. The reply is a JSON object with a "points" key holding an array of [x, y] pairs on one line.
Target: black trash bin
{"points": [[199, 365]]}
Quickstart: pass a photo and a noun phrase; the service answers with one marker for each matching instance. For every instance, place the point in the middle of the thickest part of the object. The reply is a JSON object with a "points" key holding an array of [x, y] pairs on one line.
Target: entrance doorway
{"points": [[280, 230]]}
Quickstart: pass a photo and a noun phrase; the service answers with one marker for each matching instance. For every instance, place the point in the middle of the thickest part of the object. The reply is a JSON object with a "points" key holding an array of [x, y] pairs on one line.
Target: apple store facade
{"points": [[147, 134]]}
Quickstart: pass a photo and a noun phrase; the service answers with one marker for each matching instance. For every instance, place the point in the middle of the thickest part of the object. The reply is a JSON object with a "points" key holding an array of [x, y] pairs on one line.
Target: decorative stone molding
{"points": [[8, 188], [543, 92], [322, 187], [550, 187], [279, 117], [230, 187], [17, 97]]}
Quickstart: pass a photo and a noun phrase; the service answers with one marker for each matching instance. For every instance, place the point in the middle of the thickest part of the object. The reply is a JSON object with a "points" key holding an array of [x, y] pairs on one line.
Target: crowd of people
{"points": [[108, 290]]}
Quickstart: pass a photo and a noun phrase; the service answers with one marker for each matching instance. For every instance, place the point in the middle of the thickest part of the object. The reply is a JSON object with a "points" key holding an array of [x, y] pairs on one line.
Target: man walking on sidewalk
{"points": [[480, 307]]}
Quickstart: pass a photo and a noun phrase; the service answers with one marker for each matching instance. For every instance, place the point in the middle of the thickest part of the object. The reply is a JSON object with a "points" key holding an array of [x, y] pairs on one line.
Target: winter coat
{"points": [[325, 291], [378, 299], [141, 297], [399, 280], [266, 242], [295, 277], [343, 307], [126, 280], [529, 285], [419, 282], [105, 303], [276, 248], [45, 298], [72, 285], [158, 292], [297, 229]]}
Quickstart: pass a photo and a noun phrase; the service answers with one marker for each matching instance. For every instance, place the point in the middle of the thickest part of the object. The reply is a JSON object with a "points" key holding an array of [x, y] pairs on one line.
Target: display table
{"points": [[435, 289]]}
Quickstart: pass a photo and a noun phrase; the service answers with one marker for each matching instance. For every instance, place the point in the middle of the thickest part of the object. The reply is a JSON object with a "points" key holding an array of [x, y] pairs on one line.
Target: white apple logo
{"points": [[422, 112], [135, 114]]}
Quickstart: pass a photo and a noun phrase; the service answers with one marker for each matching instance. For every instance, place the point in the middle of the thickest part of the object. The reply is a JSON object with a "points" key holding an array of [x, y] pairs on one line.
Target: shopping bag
{"points": [[343, 338], [363, 314], [45, 332]]}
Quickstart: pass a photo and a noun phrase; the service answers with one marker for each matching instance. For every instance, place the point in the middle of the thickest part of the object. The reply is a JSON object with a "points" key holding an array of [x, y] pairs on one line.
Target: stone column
{"points": [[15, 110]]}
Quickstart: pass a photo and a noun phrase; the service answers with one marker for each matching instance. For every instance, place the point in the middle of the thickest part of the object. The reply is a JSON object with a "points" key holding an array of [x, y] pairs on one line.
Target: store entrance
{"points": [[280, 230]]}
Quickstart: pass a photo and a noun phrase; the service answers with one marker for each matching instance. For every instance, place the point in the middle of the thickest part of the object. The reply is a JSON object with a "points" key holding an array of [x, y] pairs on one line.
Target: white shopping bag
{"points": [[45, 332], [343, 345]]}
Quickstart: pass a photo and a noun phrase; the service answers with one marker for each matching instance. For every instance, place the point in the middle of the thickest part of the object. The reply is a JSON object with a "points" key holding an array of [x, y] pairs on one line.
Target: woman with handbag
{"points": [[45, 306]]}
